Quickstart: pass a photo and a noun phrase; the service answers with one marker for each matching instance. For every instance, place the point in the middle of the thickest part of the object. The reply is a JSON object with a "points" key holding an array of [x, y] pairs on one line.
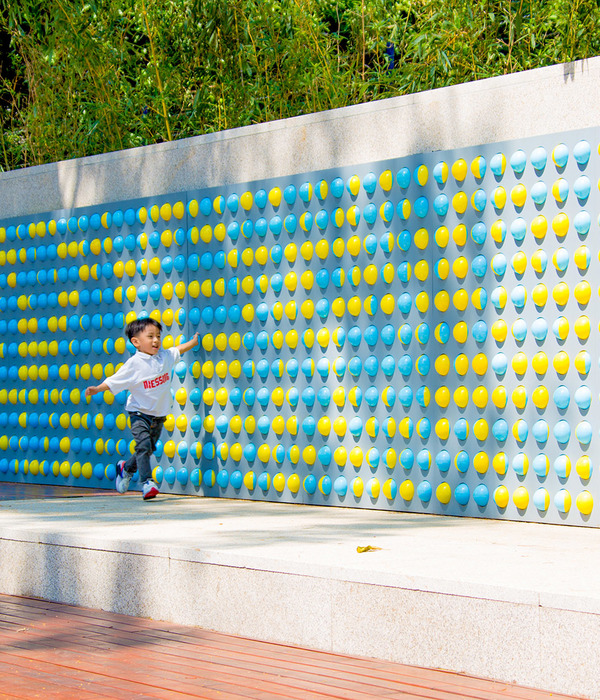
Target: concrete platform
{"points": [[516, 602]]}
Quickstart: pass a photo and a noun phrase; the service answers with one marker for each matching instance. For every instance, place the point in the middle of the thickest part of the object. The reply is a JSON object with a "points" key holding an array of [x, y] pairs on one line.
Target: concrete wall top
{"points": [[496, 109]]}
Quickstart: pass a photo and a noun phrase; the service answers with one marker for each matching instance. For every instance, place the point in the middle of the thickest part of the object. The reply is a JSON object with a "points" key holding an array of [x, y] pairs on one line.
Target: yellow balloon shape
{"points": [[480, 397], [499, 330], [481, 462], [540, 397], [481, 429], [561, 362], [519, 363], [582, 327], [442, 397], [442, 428], [461, 396], [540, 295], [480, 364], [539, 363], [459, 169], [499, 397], [519, 396], [386, 180], [582, 292], [560, 293]]}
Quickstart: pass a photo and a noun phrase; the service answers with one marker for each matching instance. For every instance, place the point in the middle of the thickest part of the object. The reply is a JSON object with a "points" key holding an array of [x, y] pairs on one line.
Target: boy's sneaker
{"points": [[149, 490], [123, 477]]}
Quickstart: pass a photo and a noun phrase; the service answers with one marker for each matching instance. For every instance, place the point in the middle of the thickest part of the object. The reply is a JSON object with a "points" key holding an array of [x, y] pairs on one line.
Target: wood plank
{"points": [[18, 673], [203, 674], [242, 644], [251, 667], [296, 669], [345, 685], [103, 684], [164, 630], [100, 654], [171, 675]]}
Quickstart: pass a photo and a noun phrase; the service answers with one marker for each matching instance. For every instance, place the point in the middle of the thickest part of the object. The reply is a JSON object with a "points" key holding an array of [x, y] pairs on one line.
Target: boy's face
{"points": [[148, 340]]}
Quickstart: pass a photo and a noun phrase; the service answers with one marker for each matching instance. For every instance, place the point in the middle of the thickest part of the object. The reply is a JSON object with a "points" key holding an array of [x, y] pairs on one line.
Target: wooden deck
{"points": [[49, 650]]}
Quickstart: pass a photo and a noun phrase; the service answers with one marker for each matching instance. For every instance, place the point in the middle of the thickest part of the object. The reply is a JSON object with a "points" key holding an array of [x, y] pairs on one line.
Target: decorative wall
{"points": [[417, 334]]}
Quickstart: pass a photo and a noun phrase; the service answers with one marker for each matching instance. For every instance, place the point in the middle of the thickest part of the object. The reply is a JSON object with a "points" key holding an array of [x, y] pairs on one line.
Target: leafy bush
{"points": [[83, 78]]}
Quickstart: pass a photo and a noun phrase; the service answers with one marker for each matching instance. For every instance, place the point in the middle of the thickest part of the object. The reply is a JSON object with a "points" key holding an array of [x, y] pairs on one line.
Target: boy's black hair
{"points": [[139, 324]]}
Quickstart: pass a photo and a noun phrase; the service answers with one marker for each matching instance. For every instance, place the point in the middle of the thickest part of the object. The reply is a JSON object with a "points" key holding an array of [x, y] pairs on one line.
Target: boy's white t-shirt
{"points": [[148, 380]]}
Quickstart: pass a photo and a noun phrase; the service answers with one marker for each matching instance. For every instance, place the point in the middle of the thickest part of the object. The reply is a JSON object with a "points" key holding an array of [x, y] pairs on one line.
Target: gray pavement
{"points": [[500, 560]]}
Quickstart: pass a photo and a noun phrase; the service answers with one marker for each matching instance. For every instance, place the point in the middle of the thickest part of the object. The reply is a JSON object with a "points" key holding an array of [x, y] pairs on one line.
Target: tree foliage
{"points": [[79, 78]]}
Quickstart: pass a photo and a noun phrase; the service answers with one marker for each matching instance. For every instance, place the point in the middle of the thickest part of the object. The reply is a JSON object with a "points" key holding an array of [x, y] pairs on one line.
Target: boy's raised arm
{"points": [[93, 390], [191, 343]]}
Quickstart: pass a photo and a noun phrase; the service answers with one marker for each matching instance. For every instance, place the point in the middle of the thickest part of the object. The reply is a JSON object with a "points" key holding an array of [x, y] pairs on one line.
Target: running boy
{"points": [[147, 377]]}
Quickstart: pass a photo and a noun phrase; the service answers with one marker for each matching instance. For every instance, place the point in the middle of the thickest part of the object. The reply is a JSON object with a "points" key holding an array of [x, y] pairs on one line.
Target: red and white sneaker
{"points": [[123, 477], [149, 490]]}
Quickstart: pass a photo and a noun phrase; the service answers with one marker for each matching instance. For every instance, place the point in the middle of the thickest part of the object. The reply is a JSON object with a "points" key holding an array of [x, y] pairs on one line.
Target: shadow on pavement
{"points": [[23, 492]]}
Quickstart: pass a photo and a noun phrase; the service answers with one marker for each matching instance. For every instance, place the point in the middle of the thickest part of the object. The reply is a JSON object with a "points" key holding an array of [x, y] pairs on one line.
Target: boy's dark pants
{"points": [[146, 431]]}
